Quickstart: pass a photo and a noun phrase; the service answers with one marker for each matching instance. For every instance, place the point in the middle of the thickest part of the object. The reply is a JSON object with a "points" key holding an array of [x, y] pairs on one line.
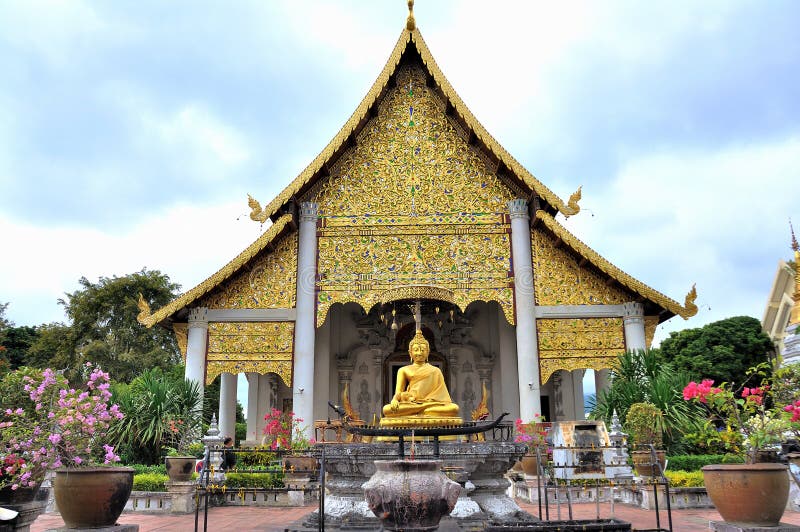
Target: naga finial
{"points": [[257, 214], [572, 208], [144, 310], [688, 303], [411, 24], [795, 247]]}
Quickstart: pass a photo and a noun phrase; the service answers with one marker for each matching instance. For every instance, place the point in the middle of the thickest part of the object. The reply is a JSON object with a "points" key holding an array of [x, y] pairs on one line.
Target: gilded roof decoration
{"points": [[408, 38], [144, 309], [609, 269], [187, 298], [650, 324], [240, 347], [267, 281], [578, 343], [412, 204], [181, 331], [560, 277]]}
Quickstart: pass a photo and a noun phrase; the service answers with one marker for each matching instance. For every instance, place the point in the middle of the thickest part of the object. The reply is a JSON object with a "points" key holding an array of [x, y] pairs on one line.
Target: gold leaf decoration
{"points": [[240, 347], [585, 343]]}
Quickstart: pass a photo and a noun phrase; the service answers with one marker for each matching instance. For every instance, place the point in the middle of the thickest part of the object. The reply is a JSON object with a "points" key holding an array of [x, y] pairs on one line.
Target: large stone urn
{"points": [[92, 497], [410, 494], [29, 503], [750, 494], [180, 468]]}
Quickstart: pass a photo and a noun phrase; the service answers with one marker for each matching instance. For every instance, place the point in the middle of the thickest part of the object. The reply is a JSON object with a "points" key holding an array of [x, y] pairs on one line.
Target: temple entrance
{"points": [[400, 358]]}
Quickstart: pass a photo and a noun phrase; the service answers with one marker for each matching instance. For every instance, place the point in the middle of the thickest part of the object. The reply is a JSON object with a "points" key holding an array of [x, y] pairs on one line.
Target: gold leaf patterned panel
{"points": [[586, 343], [650, 324], [268, 281], [250, 347], [559, 278], [181, 331], [412, 203]]}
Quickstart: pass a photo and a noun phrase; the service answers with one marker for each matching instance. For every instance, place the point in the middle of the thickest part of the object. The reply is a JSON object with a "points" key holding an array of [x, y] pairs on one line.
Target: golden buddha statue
{"points": [[421, 397]]}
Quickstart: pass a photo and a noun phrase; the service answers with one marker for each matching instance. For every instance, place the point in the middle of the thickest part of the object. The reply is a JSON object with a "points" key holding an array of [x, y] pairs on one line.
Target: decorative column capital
{"points": [[518, 208], [308, 212], [632, 312], [198, 318]]}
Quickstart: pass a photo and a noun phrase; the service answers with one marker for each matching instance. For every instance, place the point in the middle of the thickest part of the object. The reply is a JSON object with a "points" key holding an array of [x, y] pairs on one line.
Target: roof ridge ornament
{"points": [[794, 317], [688, 303], [411, 24]]}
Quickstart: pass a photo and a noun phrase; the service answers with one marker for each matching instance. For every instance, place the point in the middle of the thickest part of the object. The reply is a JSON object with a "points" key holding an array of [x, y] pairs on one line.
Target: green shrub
{"points": [[150, 482], [254, 480], [685, 479], [693, 462], [138, 469], [644, 424]]}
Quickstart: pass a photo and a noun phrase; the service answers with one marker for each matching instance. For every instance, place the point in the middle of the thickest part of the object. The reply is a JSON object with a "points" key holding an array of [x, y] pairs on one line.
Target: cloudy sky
{"points": [[131, 132]]}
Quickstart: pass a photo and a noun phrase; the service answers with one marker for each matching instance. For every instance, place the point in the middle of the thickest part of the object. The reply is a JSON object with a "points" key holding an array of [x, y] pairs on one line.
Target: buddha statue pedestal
{"points": [[419, 422]]}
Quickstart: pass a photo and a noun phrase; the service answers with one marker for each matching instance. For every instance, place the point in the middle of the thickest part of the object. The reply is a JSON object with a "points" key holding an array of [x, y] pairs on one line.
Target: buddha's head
{"points": [[419, 348]]}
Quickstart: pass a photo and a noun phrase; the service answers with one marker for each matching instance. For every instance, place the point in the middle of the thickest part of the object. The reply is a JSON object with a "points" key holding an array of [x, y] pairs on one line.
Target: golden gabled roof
{"points": [[408, 37], [187, 298], [615, 273]]}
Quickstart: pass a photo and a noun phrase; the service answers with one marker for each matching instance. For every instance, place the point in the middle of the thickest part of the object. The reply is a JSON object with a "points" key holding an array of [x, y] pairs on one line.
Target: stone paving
{"points": [[243, 519]]}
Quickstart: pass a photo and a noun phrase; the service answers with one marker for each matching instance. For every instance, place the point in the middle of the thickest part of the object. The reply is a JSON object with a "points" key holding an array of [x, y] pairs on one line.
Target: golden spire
{"points": [[410, 23], [794, 317]]}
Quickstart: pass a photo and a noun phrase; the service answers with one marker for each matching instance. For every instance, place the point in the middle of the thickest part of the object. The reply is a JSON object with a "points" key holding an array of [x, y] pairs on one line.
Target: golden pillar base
{"points": [[413, 422]]}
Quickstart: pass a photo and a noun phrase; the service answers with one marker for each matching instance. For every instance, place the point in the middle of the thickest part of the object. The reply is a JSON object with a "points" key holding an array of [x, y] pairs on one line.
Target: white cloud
{"points": [[187, 242], [719, 219]]}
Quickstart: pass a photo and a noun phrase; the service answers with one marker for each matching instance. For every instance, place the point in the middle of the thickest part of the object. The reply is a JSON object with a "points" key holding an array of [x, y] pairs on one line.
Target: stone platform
{"points": [[724, 526], [349, 466]]}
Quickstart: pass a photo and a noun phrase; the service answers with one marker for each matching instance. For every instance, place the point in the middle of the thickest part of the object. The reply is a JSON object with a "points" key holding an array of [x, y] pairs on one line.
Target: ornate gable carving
{"points": [[412, 203], [268, 281]]}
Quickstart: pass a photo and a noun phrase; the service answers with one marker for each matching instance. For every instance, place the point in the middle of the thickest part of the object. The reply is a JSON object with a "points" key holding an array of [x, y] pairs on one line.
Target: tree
{"points": [[54, 347], [722, 350], [17, 341], [4, 322], [105, 328]]}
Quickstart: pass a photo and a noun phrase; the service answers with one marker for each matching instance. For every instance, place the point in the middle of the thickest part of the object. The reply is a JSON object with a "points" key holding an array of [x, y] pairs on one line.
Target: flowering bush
{"points": [[56, 426], [532, 433], [284, 431], [744, 410]]}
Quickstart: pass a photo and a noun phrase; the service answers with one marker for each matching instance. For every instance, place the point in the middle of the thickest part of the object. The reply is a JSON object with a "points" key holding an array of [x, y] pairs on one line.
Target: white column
{"points": [[577, 390], [527, 349], [601, 381], [304, 327], [196, 348], [633, 321], [252, 407], [264, 402], [227, 404]]}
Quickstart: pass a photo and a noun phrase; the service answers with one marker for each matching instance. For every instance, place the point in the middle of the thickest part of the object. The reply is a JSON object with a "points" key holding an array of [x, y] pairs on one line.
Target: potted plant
{"points": [[534, 435], [752, 493], [284, 432], [181, 430], [62, 428], [644, 425]]}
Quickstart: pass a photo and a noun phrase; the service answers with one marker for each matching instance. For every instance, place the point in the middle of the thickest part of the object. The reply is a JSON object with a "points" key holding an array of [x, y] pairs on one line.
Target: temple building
{"points": [[412, 200]]}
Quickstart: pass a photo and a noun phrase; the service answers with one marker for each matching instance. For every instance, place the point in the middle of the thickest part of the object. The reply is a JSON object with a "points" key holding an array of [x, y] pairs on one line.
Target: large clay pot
{"points": [[410, 494], [530, 464], [751, 494], [180, 468], [92, 497], [29, 503]]}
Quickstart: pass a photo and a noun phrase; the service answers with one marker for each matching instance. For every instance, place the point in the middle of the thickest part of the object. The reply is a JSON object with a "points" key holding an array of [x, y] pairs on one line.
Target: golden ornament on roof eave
{"points": [[794, 316]]}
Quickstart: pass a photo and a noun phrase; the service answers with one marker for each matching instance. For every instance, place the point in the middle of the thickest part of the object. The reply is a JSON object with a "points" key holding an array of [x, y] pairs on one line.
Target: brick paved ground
{"points": [[243, 519]]}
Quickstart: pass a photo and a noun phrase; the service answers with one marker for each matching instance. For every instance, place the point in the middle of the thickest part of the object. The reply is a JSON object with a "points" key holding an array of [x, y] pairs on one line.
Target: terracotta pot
{"points": [[643, 462], [180, 468], [752, 494], [17, 496], [92, 497], [410, 494], [30, 503], [530, 464]]}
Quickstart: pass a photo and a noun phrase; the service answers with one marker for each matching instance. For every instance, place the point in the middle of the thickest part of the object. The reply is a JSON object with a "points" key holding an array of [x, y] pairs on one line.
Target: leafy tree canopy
{"points": [[4, 322], [104, 328], [722, 350], [17, 341]]}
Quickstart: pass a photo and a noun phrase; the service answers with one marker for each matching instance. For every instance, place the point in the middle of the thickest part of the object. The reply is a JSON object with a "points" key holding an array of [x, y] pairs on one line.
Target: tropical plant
{"points": [[643, 377], [161, 411], [57, 426], [532, 433], [284, 431]]}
